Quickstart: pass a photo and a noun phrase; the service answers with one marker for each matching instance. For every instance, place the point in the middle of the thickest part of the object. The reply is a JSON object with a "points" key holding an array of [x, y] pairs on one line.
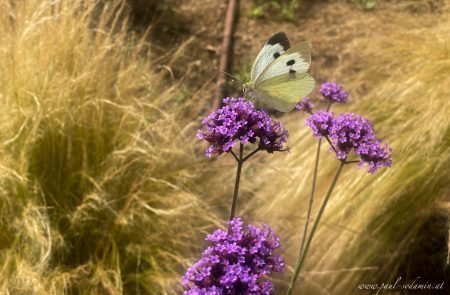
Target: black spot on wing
{"points": [[280, 38], [290, 62], [276, 55]]}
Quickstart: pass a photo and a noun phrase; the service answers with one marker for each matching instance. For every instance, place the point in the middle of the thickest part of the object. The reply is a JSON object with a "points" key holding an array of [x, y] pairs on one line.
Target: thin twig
{"points": [[226, 51]]}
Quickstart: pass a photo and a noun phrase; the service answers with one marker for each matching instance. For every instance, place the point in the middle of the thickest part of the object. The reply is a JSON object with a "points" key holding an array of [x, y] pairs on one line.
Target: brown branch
{"points": [[226, 51]]}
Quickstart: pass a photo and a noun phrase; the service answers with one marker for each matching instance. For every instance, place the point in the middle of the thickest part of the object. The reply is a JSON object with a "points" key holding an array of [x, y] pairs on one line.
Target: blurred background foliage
{"points": [[366, 4], [103, 185], [280, 9]]}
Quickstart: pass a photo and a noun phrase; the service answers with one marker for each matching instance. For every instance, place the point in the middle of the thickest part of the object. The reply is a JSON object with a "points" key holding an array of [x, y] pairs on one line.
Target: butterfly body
{"points": [[278, 77]]}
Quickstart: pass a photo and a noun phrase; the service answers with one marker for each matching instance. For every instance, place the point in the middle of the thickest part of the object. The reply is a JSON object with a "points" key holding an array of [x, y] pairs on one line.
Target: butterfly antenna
{"points": [[233, 78]]}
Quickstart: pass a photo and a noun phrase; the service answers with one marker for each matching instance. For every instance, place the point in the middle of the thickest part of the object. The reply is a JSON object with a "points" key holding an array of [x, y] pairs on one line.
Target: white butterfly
{"points": [[278, 77]]}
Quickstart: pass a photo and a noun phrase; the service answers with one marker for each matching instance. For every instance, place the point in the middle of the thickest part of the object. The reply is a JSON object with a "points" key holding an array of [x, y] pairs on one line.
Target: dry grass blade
{"points": [[98, 189]]}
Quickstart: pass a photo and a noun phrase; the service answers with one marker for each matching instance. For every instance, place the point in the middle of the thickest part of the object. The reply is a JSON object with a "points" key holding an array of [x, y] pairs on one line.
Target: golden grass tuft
{"points": [[102, 189], [98, 174], [373, 222]]}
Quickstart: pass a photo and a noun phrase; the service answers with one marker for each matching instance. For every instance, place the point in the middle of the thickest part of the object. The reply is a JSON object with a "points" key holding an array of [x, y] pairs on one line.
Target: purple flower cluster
{"points": [[305, 106], [333, 92], [320, 123], [350, 132], [239, 121], [236, 262], [374, 155]]}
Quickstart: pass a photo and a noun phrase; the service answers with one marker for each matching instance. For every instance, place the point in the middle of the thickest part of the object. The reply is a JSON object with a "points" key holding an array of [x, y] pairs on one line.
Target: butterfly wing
{"points": [[275, 47], [283, 92], [296, 60], [284, 82]]}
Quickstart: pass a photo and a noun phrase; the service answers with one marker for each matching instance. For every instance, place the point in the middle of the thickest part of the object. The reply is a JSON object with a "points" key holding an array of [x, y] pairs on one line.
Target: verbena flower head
{"points": [[320, 123], [305, 106], [374, 155], [236, 262], [333, 92], [238, 120], [349, 131]]}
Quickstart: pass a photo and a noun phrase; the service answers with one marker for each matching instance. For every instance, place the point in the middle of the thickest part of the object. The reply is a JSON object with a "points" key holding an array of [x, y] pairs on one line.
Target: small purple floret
{"points": [[374, 155], [333, 92], [239, 121], [321, 123], [305, 106], [348, 132], [236, 262]]}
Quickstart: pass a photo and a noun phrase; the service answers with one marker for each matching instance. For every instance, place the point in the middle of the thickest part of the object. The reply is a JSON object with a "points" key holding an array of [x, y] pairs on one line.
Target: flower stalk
{"points": [[238, 261], [311, 199], [302, 257], [240, 161], [306, 106], [345, 134]]}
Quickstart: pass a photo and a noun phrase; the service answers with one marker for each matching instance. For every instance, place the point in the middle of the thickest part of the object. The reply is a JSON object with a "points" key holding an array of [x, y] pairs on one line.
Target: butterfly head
{"points": [[247, 88]]}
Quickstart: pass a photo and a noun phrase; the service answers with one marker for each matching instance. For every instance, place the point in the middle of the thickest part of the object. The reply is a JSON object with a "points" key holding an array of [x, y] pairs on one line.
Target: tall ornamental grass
{"points": [[97, 186], [373, 224]]}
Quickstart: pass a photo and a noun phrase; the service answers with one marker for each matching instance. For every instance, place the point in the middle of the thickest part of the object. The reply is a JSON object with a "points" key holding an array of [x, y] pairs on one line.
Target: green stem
{"points": [[234, 155], [314, 229], [331, 144], [251, 154], [238, 177], [326, 137], [311, 199], [240, 160]]}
